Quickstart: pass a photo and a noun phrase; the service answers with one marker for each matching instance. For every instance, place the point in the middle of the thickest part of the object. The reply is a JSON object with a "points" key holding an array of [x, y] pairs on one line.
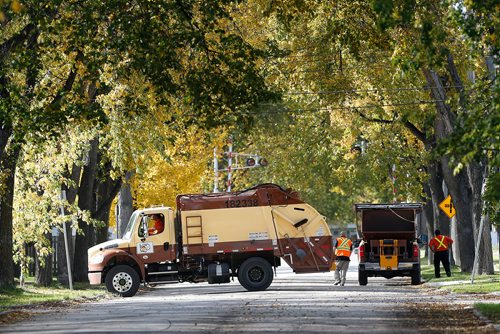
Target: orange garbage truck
{"points": [[214, 238]]}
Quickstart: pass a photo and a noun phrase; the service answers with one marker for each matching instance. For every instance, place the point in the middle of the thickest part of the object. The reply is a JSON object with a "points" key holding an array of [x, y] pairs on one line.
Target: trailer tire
{"points": [[255, 274], [362, 278], [415, 277], [122, 280]]}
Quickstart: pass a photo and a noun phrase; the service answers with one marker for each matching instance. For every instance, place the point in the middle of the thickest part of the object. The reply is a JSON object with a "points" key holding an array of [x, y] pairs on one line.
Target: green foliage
{"points": [[160, 81], [43, 169], [479, 20], [330, 70]]}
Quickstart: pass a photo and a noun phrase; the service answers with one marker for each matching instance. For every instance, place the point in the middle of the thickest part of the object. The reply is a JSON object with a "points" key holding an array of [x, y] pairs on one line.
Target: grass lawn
{"points": [[32, 295], [482, 284], [491, 311]]}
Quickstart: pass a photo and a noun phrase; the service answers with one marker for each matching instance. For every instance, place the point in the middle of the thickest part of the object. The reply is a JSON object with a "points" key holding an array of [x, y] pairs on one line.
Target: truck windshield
{"points": [[130, 226]]}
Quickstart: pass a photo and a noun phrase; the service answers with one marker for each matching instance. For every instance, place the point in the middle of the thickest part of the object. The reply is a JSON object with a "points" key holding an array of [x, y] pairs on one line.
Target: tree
{"points": [[383, 75], [188, 54]]}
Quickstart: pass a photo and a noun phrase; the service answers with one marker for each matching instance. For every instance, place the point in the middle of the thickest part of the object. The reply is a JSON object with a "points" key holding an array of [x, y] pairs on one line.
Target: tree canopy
{"points": [[354, 101]]}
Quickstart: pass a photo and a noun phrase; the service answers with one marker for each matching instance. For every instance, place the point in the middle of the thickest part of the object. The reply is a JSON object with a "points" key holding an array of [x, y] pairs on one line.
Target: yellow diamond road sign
{"points": [[447, 207]]}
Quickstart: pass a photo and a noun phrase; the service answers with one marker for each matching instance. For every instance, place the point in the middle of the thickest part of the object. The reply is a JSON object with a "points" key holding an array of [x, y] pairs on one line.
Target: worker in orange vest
{"points": [[440, 245], [343, 249]]}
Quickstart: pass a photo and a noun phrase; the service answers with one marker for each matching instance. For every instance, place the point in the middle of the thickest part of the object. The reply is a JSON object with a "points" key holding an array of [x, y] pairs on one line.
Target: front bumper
{"points": [[376, 266], [95, 277], [371, 269]]}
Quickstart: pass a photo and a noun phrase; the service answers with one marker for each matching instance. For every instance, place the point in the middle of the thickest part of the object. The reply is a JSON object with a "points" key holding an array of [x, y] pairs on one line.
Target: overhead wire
{"points": [[341, 91], [345, 107]]}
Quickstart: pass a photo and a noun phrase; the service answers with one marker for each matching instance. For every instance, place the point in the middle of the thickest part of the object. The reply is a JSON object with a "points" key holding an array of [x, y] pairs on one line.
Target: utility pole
{"points": [[251, 161], [229, 163], [216, 171]]}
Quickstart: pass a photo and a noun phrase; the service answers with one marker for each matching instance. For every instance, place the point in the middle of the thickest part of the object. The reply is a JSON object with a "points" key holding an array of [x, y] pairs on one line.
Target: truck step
{"points": [[163, 272]]}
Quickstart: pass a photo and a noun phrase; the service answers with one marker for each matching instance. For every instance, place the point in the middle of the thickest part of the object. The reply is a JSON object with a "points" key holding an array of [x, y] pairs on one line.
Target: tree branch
{"points": [[410, 126], [15, 41], [68, 84], [374, 120], [416, 132], [99, 213]]}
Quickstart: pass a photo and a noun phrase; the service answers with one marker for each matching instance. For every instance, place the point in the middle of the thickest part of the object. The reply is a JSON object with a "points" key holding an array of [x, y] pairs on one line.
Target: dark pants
{"points": [[444, 257]]}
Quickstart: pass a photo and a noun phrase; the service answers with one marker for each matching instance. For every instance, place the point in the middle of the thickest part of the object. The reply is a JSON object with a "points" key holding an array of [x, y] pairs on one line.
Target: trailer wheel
{"points": [[415, 277], [122, 280], [255, 274], [362, 278]]}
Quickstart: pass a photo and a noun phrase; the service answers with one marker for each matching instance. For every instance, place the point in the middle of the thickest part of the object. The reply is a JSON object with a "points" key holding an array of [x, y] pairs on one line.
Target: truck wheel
{"points": [[255, 274], [362, 278], [415, 277], [122, 280]]}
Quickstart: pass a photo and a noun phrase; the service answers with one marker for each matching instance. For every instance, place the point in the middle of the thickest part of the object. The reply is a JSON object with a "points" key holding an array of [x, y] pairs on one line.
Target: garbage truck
{"points": [[389, 246], [214, 238]]}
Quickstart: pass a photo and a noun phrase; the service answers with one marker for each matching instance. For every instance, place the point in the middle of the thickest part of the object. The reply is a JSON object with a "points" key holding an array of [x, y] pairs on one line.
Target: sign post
{"points": [[66, 243]]}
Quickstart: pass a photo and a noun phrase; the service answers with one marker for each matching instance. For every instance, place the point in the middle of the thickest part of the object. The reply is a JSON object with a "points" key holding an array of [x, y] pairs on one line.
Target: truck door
{"points": [[158, 245]]}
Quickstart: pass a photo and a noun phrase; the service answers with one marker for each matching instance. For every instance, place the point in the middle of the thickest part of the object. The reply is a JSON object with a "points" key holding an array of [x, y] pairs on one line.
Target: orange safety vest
{"points": [[440, 243], [343, 247]]}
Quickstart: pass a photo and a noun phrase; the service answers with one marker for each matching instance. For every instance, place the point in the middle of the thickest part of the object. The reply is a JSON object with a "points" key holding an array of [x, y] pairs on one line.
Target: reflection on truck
{"points": [[214, 238]]}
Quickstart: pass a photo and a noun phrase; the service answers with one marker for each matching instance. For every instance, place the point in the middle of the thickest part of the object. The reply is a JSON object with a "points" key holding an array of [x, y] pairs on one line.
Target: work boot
{"points": [[448, 274], [336, 283], [342, 284]]}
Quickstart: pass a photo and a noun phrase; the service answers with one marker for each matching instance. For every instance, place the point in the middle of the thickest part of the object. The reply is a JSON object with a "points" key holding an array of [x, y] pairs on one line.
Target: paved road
{"points": [[307, 303]]}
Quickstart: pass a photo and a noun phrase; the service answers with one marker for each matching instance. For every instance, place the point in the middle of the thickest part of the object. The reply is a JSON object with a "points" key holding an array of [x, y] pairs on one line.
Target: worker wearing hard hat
{"points": [[343, 249]]}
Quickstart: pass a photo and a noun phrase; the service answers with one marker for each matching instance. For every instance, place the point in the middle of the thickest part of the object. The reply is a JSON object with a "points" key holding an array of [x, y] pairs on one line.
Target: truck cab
{"points": [[121, 263], [389, 245]]}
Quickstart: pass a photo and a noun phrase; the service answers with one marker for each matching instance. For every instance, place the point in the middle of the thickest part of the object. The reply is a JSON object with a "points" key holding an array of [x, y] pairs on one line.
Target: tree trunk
{"points": [[477, 173], [85, 202], [429, 221], [8, 163], [458, 185], [497, 227], [477, 179], [43, 271], [62, 268], [442, 221], [461, 195], [106, 191], [125, 205]]}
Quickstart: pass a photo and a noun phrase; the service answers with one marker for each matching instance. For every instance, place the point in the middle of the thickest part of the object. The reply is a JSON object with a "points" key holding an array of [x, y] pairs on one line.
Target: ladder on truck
{"points": [[194, 236], [194, 230]]}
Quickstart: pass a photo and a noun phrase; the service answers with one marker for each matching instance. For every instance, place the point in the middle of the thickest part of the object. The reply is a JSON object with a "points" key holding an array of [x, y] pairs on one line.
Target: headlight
{"points": [[96, 259]]}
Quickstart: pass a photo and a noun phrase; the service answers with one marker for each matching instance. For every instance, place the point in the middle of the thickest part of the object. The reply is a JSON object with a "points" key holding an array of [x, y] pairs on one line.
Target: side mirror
{"points": [[143, 228], [422, 240]]}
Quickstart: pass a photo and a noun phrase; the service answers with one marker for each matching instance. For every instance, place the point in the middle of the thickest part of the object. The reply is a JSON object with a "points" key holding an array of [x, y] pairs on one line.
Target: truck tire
{"points": [[255, 274], [415, 277], [123, 280], [362, 278]]}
